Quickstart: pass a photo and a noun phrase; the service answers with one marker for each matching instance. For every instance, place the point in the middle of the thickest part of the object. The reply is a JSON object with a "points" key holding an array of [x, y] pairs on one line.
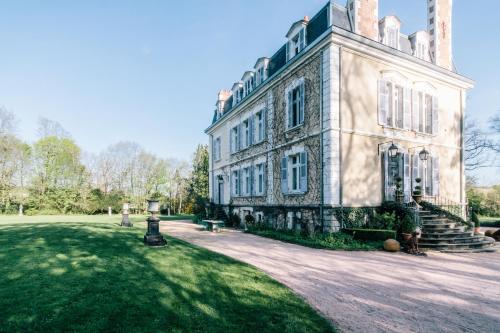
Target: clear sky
{"points": [[148, 71]]}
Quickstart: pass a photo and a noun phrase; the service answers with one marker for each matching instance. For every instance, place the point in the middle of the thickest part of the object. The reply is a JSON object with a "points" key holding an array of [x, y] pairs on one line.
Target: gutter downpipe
{"points": [[341, 191], [321, 182]]}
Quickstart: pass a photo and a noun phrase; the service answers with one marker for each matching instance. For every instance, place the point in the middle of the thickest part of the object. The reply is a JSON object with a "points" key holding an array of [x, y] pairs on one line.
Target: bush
{"points": [[249, 220], [408, 225], [385, 221], [371, 234], [235, 220]]}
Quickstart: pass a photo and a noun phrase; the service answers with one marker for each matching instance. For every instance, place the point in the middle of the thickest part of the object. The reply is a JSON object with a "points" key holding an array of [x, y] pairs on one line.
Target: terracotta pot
{"points": [[406, 237]]}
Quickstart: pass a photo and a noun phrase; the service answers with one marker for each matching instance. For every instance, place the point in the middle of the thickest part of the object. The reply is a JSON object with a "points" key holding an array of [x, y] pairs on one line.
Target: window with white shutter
{"points": [[428, 114], [435, 113], [303, 172], [259, 178], [284, 175], [383, 102], [295, 105], [407, 109], [406, 177], [435, 176], [415, 110]]}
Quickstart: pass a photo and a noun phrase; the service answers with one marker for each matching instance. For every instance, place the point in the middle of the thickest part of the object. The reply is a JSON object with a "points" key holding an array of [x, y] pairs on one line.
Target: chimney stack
{"points": [[439, 28], [364, 17], [222, 97]]}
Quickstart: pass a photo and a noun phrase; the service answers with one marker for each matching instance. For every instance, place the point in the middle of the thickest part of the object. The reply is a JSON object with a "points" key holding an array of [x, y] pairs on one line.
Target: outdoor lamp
{"points": [[393, 151], [423, 155], [153, 237]]}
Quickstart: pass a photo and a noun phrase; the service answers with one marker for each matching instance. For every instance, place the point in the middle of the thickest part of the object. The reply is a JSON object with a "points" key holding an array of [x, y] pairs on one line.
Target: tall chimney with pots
{"points": [[439, 27], [363, 15]]}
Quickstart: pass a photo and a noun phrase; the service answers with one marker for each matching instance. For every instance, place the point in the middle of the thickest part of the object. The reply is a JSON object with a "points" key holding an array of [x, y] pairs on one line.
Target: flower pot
{"points": [[406, 237], [417, 198]]}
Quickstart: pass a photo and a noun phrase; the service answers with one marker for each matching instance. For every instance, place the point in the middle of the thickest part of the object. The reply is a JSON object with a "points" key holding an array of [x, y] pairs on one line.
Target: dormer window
{"points": [[420, 45], [389, 28], [296, 38], [393, 37], [296, 44], [260, 70]]}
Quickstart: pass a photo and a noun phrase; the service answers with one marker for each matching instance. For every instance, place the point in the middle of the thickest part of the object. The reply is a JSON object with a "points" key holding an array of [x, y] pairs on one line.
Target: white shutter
{"points": [[287, 48], [383, 102], [289, 107], [407, 108], [415, 111], [250, 130], [231, 141], [406, 177], [302, 105], [284, 175], [435, 176], [435, 119], [303, 171]]}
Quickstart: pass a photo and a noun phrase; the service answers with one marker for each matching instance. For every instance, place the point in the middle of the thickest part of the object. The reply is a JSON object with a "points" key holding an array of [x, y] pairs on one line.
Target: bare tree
{"points": [[8, 122], [47, 127], [479, 147]]}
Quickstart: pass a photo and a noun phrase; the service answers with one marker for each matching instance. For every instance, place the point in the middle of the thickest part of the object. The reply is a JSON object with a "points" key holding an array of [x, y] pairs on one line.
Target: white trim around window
{"points": [[295, 103]]}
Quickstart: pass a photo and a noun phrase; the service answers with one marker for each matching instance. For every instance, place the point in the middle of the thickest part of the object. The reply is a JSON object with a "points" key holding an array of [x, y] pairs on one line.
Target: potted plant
{"points": [[407, 227], [399, 189], [417, 192]]}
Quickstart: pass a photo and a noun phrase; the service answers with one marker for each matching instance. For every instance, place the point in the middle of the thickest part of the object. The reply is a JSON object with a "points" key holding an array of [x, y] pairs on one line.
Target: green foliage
{"points": [[330, 241], [198, 184], [87, 274], [371, 234], [385, 220], [249, 220], [235, 221], [485, 202], [418, 188], [437, 210], [475, 219], [408, 225]]}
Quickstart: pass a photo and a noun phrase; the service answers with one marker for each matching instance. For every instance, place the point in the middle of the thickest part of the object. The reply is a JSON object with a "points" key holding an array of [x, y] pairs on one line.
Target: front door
{"points": [[395, 167]]}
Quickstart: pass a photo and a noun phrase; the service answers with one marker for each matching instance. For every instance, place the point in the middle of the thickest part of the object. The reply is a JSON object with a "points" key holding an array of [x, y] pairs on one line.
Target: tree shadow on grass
{"points": [[99, 277]]}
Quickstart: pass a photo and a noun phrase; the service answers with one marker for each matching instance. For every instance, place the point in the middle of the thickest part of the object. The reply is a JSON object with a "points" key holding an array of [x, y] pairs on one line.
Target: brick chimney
{"points": [[364, 17], [222, 97], [439, 14]]}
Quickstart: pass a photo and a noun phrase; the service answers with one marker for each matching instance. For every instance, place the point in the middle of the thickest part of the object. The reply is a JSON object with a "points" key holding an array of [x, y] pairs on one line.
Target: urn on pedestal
{"points": [[125, 220], [153, 237]]}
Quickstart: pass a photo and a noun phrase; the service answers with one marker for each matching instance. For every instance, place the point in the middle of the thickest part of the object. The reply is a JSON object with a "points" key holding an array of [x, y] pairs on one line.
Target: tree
{"points": [[198, 184], [47, 127], [479, 147]]}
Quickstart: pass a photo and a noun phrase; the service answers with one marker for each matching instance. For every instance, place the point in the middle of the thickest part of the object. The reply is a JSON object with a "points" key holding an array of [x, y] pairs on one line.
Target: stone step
{"points": [[487, 243], [430, 226], [430, 216], [436, 220], [454, 240], [444, 235], [440, 229]]}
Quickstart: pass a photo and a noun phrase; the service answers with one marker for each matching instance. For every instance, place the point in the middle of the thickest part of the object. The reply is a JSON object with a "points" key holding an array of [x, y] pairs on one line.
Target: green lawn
{"points": [[487, 221], [87, 274]]}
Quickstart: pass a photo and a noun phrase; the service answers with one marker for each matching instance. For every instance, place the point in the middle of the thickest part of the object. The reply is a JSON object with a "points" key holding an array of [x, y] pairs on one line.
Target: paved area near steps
{"points": [[372, 291]]}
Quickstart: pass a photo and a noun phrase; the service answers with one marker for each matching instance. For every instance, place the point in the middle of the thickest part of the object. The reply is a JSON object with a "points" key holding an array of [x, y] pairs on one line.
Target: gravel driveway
{"points": [[372, 291]]}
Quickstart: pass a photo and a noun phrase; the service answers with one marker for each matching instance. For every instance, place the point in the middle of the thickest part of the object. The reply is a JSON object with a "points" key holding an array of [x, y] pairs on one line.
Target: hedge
{"points": [[371, 234]]}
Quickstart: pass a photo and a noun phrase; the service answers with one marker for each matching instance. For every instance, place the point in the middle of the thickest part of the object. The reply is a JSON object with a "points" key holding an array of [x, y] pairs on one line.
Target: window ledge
{"points": [[291, 129]]}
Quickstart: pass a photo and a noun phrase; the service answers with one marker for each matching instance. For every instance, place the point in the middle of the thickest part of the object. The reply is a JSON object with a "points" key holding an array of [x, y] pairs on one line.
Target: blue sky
{"points": [[148, 71]]}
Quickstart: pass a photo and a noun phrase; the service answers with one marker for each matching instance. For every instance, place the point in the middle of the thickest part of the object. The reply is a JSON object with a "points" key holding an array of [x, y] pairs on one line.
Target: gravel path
{"points": [[372, 291]]}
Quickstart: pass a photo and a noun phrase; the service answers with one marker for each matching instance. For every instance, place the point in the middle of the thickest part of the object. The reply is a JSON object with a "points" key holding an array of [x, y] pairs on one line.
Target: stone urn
{"points": [[153, 237]]}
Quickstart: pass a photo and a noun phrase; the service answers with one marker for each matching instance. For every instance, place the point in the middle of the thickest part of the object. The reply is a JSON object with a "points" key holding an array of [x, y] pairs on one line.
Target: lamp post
{"points": [[125, 220], [153, 237]]}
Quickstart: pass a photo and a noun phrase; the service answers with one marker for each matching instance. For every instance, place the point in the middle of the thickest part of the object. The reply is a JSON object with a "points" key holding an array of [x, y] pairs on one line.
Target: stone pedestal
{"points": [[153, 237], [126, 221]]}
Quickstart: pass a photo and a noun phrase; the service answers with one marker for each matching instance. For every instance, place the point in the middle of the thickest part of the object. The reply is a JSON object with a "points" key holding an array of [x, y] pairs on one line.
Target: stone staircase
{"points": [[443, 234]]}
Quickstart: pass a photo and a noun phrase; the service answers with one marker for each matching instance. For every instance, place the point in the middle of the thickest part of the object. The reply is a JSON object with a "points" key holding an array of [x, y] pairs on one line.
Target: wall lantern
{"points": [[392, 151], [423, 155]]}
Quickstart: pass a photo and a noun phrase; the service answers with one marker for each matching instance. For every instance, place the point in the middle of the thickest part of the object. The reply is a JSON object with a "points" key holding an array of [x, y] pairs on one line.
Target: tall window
{"points": [[296, 44], [235, 182], [295, 100], [398, 107], [259, 124], [235, 139], [217, 149], [294, 173], [420, 112], [428, 114], [392, 37], [246, 181], [247, 138], [259, 177]]}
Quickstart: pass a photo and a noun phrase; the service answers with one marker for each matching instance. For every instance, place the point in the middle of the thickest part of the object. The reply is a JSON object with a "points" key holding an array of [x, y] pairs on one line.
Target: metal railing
{"points": [[452, 207]]}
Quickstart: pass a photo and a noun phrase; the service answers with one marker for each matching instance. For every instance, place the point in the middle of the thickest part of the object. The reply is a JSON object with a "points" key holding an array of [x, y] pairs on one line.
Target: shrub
{"points": [[249, 220], [371, 234], [475, 219], [385, 221], [235, 220], [408, 225]]}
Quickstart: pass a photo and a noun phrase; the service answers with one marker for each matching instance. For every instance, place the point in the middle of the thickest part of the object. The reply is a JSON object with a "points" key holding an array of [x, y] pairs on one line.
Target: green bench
{"points": [[212, 225]]}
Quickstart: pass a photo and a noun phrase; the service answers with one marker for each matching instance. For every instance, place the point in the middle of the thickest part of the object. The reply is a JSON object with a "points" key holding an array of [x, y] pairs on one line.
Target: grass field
{"points": [[87, 274]]}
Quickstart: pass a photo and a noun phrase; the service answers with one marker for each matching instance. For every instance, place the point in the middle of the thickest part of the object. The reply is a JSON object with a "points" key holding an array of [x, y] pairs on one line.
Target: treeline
{"points": [[485, 201], [53, 176]]}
